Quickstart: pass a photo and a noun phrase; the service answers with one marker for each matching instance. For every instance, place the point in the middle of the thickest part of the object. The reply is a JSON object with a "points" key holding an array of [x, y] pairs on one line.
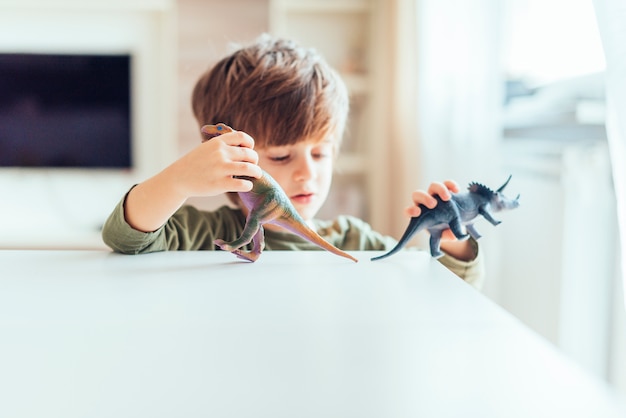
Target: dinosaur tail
{"points": [[316, 239], [414, 226]]}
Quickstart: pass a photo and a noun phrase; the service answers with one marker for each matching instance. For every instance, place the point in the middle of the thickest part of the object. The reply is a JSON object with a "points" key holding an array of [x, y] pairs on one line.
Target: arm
{"points": [[207, 170], [461, 250]]}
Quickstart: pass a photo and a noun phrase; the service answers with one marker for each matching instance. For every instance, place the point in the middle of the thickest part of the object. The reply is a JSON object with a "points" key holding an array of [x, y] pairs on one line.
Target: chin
{"points": [[307, 213]]}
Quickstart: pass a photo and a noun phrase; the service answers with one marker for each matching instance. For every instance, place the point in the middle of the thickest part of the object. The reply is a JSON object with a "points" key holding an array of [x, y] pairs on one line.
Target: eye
{"points": [[279, 158], [323, 151], [277, 154]]}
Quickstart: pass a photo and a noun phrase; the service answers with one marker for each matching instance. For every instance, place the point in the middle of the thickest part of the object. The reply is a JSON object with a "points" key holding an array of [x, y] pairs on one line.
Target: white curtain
{"points": [[459, 87], [611, 16], [445, 94]]}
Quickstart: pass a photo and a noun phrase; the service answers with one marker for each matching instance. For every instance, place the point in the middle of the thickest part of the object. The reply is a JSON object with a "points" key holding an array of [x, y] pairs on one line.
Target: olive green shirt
{"points": [[192, 229]]}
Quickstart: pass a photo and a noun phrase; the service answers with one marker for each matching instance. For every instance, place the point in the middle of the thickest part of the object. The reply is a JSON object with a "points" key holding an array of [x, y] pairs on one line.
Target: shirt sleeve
{"points": [[187, 229], [471, 271], [123, 238]]}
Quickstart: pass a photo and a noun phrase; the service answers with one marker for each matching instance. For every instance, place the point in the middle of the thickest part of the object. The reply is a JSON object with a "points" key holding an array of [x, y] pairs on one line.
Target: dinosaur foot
{"points": [[436, 254], [247, 255]]}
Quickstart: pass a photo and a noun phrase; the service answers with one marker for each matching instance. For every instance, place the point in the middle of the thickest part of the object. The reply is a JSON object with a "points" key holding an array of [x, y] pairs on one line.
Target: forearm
{"points": [[151, 203], [122, 238], [461, 250], [471, 271]]}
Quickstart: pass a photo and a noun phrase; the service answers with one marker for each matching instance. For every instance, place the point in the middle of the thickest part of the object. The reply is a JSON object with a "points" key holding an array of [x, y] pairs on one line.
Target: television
{"points": [[65, 111]]}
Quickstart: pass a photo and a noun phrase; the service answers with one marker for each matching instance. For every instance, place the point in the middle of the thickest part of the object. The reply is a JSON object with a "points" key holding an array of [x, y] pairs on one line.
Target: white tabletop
{"points": [[296, 334]]}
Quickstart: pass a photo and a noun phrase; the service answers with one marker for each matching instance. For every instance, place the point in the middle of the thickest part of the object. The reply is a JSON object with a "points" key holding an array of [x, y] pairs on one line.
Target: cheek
{"points": [[326, 175], [329, 166], [327, 171]]}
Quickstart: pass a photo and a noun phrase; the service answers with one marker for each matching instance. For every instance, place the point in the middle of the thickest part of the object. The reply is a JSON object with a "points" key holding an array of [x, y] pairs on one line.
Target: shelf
{"points": [[324, 6], [157, 5], [339, 30]]}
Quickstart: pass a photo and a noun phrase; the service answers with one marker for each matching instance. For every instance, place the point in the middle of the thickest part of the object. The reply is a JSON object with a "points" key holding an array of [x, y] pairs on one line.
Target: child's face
{"points": [[304, 170]]}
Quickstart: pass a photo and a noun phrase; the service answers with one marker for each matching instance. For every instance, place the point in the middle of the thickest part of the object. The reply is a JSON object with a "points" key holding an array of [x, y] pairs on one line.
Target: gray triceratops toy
{"points": [[461, 210]]}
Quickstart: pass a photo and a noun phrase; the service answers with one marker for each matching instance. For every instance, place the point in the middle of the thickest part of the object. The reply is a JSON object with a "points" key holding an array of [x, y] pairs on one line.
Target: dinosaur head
{"points": [[211, 131], [500, 202], [497, 200]]}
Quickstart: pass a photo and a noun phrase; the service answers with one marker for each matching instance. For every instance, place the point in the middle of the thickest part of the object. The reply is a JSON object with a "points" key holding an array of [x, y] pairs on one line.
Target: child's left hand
{"points": [[461, 250], [426, 198]]}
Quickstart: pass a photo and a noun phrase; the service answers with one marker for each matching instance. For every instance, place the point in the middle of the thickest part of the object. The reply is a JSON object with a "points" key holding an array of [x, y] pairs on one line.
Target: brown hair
{"points": [[274, 90]]}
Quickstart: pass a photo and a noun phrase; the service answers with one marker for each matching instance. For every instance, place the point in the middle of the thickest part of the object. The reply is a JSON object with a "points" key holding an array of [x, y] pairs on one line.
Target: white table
{"points": [[296, 334]]}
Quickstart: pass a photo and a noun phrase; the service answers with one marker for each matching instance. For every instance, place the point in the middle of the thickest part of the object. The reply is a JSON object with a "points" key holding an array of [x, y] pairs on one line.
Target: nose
{"points": [[305, 168]]}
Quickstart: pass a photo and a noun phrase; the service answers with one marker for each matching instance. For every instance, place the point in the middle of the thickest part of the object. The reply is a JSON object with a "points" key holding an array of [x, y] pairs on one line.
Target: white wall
{"points": [[558, 255], [65, 208]]}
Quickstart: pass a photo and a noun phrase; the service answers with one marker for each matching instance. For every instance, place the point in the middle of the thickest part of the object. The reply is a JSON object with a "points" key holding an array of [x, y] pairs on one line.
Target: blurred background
{"points": [[440, 89]]}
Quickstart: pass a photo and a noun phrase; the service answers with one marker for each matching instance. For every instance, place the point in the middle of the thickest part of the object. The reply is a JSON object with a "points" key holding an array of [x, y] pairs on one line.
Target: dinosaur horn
{"points": [[505, 183]]}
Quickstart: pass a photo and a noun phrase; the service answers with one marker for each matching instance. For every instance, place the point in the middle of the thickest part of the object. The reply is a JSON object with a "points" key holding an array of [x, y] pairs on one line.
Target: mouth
{"points": [[303, 198]]}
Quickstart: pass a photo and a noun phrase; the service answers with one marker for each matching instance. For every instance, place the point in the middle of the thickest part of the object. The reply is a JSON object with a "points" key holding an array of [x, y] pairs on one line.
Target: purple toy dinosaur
{"points": [[266, 203]]}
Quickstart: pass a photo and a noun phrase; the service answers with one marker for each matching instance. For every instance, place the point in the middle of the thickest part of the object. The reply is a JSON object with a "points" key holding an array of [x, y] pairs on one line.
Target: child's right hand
{"points": [[209, 169]]}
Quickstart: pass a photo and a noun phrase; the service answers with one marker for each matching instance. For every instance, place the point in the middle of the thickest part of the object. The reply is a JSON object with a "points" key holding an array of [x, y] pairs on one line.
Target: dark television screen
{"points": [[65, 111]]}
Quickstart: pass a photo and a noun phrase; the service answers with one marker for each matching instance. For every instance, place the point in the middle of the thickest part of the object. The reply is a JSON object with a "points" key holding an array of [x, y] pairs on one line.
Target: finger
{"points": [[245, 169], [439, 189], [248, 155], [238, 139], [452, 186], [234, 184], [413, 211], [421, 197]]}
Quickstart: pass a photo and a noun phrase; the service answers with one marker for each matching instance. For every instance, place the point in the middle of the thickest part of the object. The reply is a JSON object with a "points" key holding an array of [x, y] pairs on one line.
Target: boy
{"points": [[289, 111]]}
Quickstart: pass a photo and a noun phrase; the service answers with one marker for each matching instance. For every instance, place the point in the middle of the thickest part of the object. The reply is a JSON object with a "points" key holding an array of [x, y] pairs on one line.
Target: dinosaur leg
{"points": [[457, 229], [472, 231], [251, 228], [435, 240], [258, 245], [488, 216]]}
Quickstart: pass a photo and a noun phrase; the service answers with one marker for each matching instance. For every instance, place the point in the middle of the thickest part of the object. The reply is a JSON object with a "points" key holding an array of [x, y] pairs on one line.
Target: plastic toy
{"points": [[266, 203], [461, 210]]}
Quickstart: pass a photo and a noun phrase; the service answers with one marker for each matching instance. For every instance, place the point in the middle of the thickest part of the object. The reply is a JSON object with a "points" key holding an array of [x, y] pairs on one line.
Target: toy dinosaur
{"points": [[461, 210], [266, 203]]}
